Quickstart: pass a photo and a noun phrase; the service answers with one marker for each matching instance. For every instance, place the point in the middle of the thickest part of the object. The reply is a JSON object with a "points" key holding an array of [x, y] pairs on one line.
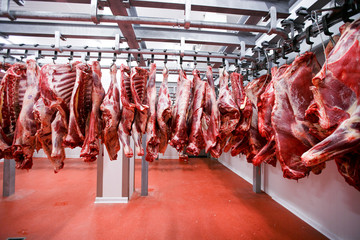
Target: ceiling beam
{"points": [[251, 20], [118, 8], [42, 29], [193, 36], [242, 7]]}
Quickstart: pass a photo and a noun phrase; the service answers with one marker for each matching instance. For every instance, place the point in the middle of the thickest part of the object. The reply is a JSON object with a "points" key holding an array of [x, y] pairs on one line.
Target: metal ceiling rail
{"points": [[124, 50], [61, 55], [144, 20]]}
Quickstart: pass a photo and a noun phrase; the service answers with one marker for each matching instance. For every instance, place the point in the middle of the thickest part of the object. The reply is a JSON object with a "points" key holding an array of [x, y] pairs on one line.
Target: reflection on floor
{"points": [[200, 199]]}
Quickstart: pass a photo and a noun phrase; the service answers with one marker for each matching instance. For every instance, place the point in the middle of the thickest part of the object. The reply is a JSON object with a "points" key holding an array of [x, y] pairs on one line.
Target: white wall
{"points": [[170, 153], [324, 201]]}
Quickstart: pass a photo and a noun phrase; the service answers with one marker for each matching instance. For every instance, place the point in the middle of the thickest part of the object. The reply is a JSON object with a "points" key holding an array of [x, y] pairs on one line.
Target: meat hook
{"points": [[195, 63], [99, 57], [166, 57], [24, 56], [55, 56], [326, 28], [70, 59], [6, 56], [38, 56], [113, 59], [208, 59], [129, 60]]}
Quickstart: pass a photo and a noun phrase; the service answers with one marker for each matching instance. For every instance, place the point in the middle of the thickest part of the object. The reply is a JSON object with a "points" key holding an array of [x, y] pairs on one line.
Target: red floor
{"points": [[198, 200]]}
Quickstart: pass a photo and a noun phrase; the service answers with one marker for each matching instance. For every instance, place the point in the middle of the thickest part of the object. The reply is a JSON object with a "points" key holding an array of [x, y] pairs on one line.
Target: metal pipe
{"points": [[144, 20], [44, 54], [122, 50]]}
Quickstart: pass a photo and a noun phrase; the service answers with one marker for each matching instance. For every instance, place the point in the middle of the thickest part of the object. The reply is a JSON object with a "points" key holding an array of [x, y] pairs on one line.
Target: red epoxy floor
{"points": [[197, 200]]}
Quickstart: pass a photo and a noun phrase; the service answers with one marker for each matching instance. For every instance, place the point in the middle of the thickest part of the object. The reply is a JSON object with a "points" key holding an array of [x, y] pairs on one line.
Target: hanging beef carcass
{"points": [[245, 107], [337, 96], [90, 148], [12, 89], [210, 121], [265, 106], [127, 110], [152, 138], [80, 106], [196, 138], [24, 137], [163, 112], [292, 97], [138, 80], [110, 108], [56, 85], [229, 111], [179, 138], [44, 117], [252, 142]]}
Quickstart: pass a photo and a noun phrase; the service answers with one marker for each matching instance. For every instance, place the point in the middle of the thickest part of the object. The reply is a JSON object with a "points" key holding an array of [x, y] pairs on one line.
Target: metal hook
{"points": [[38, 56], [208, 59], [113, 59], [152, 56], [24, 56], [87, 57], [70, 59], [181, 61], [99, 57], [6, 56], [326, 28], [55, 56], [195, 63], [129, 60], [166, 57]]}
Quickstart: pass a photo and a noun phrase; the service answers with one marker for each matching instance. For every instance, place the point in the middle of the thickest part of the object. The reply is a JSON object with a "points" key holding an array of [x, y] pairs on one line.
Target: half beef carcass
{"points": [[138, 80], [93, 130], [152, 137], [44, 117], [24, 142], [80, 106], [337, 94], [210, 121], [291, 129], [163, 112], [180, 138], [196, 137], [229, 111], [110, 108], [127, 110], [56, 85], [12, 89], [245, 107], [265, 107], [252, 142]]}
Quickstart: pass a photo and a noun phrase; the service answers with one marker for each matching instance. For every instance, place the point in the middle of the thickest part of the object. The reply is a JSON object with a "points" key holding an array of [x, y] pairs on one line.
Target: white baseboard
{"points": [[236, 171], [111, 200], [305, 218]]}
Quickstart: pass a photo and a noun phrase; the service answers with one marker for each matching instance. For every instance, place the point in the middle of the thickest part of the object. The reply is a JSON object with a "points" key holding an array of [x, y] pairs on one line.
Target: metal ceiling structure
{"points": [[189, 28]]}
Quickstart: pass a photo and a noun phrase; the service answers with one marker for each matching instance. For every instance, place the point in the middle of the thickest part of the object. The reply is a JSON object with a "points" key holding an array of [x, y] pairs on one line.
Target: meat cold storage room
{"points": [[185, 119]]}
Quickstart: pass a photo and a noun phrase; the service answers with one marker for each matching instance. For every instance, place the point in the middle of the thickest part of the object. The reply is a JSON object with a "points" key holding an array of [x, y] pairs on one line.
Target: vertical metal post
{"points": [[257, 179], [9, 177], [125, 174], [100, 172], [144, 170]]}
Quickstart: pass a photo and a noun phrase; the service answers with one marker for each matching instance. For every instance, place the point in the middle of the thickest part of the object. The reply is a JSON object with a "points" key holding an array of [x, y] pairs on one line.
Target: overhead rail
{"points": [[143, 20]]}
